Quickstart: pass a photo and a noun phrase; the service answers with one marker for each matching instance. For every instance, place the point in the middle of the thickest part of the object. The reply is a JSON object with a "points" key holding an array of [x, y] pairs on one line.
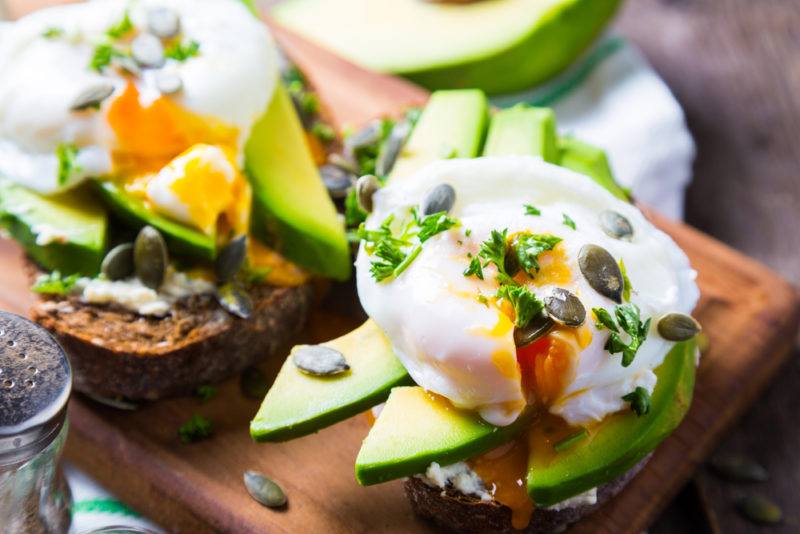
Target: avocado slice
{"points": [[299, 404], [290, 202], [181, 239], [524, 131], [452, 125], [589, 160], [499, 46], [416, 428], [619, 442], [77, 226]]}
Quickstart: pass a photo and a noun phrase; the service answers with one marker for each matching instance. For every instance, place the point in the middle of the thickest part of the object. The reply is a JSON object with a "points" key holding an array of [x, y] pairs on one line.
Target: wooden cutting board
{"points": [[749, 313]]}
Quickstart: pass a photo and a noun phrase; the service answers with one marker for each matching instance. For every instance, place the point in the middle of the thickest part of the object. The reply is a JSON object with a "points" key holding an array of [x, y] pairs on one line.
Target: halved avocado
{"points": [[70, 227], [591, 161], [181, 239], [416, 428], [621, 441], [523, 131], [299, 404], [499, 46]]}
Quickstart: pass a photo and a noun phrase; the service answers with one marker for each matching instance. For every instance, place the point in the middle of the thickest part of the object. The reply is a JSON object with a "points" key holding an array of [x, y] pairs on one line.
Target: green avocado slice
{"points": [[290, 202], [499, 46], [415, 428], [620, 442], [523, 131], [591, 161], [181, 239], [300, 404], [77, 224]]}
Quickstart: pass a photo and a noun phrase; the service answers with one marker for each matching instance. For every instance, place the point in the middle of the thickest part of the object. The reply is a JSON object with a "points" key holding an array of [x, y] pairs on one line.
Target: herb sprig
{"points": [[67, 155], [639, 399], [529, 246], [55, 284], [627, 321], [526, 304], [195, 429], [182, 51]]}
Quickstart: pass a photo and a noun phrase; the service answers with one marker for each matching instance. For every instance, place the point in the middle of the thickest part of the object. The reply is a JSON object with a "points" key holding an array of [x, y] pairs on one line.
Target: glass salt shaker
{"points": [[35, 384]]}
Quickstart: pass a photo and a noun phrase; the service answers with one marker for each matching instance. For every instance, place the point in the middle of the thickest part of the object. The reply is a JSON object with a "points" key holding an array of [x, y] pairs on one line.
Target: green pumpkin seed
{"points": [[253, 383], [343, 162], [678, 327], [235, 301], [92, 96], [367, 136], [391, 149], [366, 186], [319, 360], [150, 257], [738, 468], [264, 490], [760, 509], [168, 82], [616, 225], [601, 270], [231, 258], [537, 328], [337, 180], [118, 263], [438, 199], [565, 308], [163, 22], [128, 65], [148, 51]]}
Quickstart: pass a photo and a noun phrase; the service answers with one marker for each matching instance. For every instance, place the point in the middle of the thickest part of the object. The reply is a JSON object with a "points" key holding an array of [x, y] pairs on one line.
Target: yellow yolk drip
{"points": [[503, 471], [279, 271]]}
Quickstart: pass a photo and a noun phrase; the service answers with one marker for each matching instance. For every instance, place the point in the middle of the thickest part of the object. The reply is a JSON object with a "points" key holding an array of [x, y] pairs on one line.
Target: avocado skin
{"points": [[298, 404], [551, 46], [621, 442], [83, 255], [181, 240]]}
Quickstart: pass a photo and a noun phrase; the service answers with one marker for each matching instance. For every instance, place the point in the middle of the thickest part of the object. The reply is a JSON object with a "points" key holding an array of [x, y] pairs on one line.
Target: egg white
{"points": [[450, 342]]}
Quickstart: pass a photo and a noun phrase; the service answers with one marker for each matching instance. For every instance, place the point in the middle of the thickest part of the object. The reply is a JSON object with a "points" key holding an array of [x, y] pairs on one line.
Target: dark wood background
{"points": [[734, 65]]}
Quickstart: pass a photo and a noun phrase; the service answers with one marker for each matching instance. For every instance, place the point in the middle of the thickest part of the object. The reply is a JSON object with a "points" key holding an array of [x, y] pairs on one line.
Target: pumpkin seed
{"points": [[337, 180], [235, 300], [264, 490], [319, 360], [391, 149], [601, 271], [565, 308], [118, 263], [438, 199], [511, 262], [678, 327], [366, 186], [343, 162], [538, 327], [92, 96], [163, 22], [148, 51], [760, 509], [738, 468], [168, 82], [616, 225], [128, 65], [150, 257], [369, 135], [231, 258], [253, 383]]}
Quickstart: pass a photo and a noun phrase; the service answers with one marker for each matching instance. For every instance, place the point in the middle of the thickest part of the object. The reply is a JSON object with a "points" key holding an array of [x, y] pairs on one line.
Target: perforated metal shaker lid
{"points": [[35, 384]]}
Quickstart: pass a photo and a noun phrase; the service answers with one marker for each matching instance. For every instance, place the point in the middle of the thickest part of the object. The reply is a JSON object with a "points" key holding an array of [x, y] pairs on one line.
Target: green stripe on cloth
{"points": [[103, 506]]}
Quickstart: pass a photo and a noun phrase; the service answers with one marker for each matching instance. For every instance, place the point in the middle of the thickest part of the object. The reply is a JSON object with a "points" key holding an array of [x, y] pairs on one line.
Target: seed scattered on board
{"points": [[264, 490], [319, 360], [760, 509], [738, 468]]}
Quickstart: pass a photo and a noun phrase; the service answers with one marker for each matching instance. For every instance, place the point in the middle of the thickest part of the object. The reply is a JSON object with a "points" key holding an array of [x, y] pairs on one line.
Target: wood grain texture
{"points": [[750, 314]]}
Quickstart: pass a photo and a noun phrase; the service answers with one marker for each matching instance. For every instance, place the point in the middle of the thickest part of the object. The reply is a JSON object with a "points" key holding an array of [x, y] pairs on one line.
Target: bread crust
{"points": [[116, 352], [466, 514]]}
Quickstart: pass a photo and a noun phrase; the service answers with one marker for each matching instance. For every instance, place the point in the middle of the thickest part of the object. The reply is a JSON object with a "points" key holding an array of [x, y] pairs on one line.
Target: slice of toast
{"points": [[116, 352], [466, 514]]}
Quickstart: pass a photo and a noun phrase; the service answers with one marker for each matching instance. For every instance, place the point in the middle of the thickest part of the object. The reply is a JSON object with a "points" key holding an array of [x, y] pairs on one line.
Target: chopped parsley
{"points": [[67, 155], [474, 268], [640, 401], [532, 210], [323, 132], [468, 232], [628, 321], [182, 51], [567, 220], [121, 28], [195, 429], [493, 251], [53, 32], [571, 440], [497, 251], [626, 282], [206, 392], [526, 304], [529, 246], [55, 284], [432, 224], [103, 54]]}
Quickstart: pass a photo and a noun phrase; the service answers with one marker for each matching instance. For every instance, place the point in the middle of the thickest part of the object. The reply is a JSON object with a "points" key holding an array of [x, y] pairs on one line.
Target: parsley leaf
{"points": [[640, 401], [206, 392], [567, 220], [323, 132], [67, 155], [474, 268], [53, 32], [55, 284], [532, 210], [493, 250], [629, 321], [432, 224], [626, 282], [103, 54], [526, 304], [529, 246], [182, 51], [196, 429], [390, 257], [121, 28]]}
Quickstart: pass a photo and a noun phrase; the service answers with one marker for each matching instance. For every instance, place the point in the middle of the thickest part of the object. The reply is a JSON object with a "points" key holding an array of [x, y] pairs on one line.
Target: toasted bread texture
{"points": [[115, 352], [466, 514]]}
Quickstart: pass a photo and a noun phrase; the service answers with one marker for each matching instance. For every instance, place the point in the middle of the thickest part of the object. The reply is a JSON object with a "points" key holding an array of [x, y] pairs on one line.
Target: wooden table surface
{"points": [[734, 65]]}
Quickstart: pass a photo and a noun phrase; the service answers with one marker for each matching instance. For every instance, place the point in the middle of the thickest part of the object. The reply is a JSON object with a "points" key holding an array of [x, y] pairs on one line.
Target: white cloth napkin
{"points": [[611, 98]]}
